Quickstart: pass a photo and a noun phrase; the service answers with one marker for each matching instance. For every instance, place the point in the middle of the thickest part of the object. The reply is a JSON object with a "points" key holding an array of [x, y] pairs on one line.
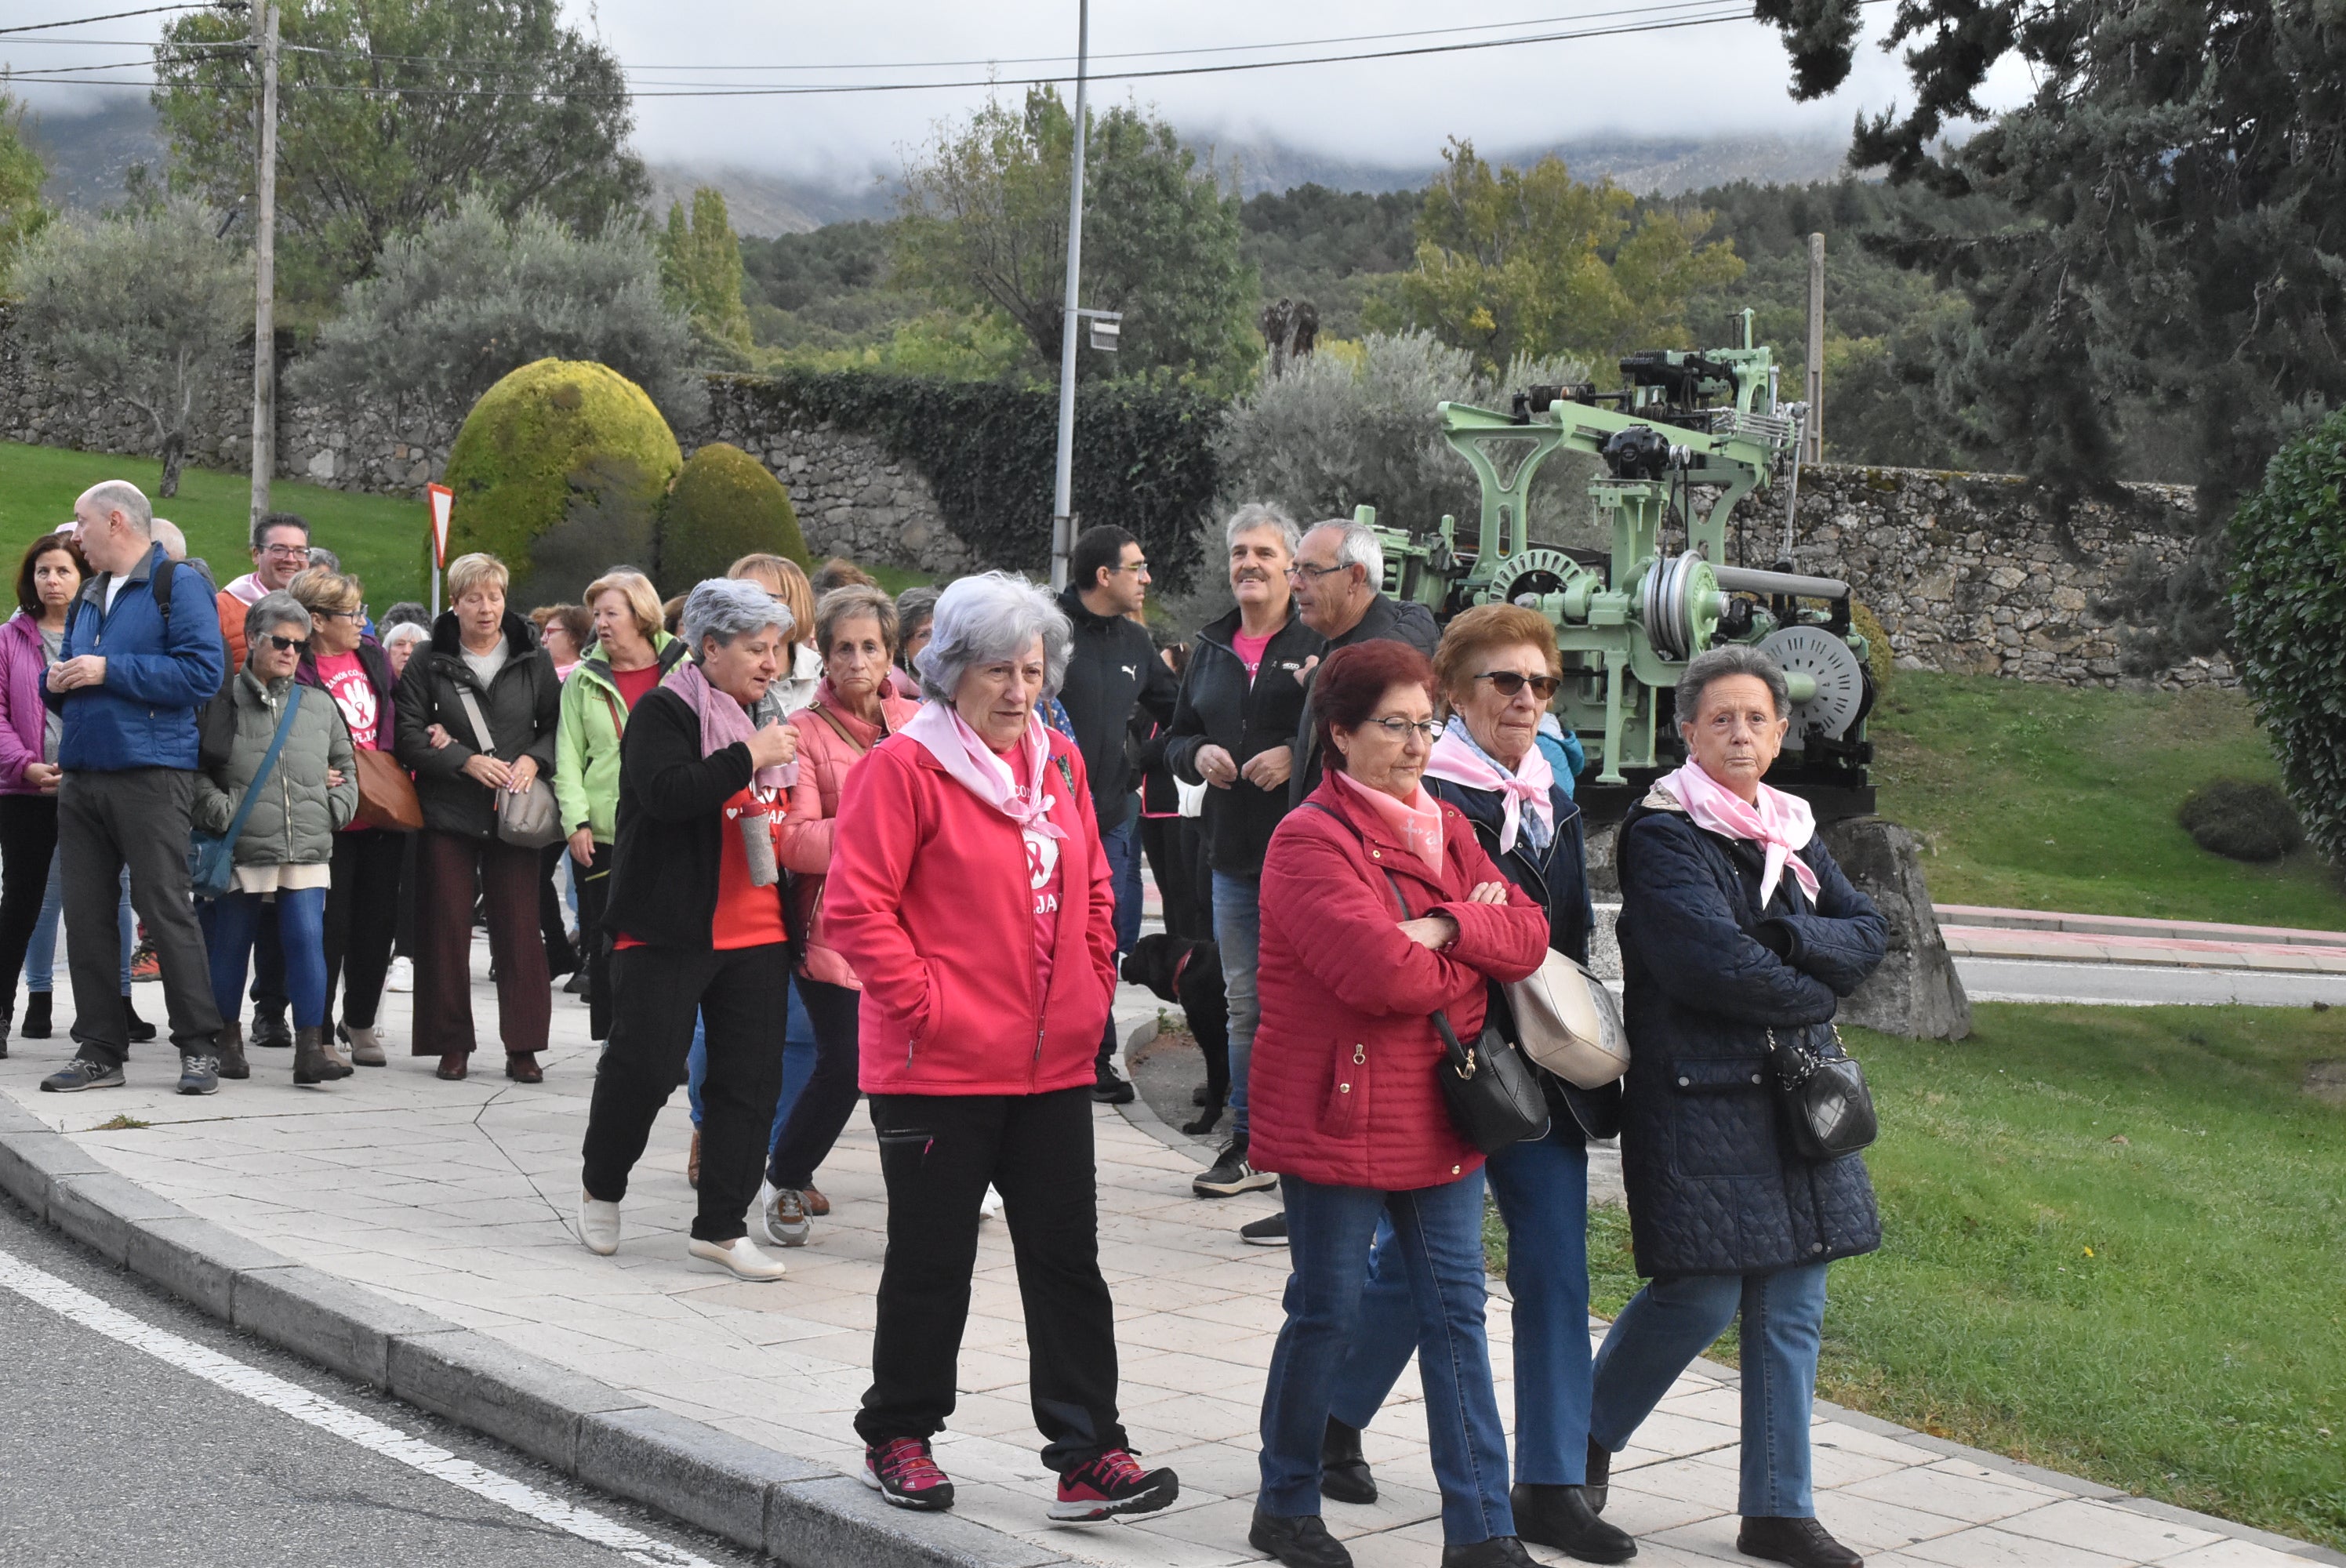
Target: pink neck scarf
{"points": [[959, 750], [1464, 763], [1782, 823], [1417, 822], [722, 721]]}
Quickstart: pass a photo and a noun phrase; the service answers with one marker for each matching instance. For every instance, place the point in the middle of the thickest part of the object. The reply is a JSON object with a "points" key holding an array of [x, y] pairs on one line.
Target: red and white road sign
{"points": [[443, 500]]}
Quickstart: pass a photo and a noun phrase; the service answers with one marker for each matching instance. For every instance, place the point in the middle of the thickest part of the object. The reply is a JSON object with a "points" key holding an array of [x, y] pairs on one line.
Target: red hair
{"points": [[1350, 684]]}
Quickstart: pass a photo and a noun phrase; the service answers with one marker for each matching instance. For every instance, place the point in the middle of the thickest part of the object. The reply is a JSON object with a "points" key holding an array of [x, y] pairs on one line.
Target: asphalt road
{"points": [[111, 1455], [2143, 984]]}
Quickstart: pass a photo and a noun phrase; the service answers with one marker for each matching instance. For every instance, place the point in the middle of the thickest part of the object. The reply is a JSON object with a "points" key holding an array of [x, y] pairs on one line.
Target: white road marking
{"points": [[291, 1398]]}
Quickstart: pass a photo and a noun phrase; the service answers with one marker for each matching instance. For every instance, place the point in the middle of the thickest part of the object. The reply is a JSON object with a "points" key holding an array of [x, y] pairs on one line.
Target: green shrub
{"points": [[725, 505], [1867, 624], [560, 471], [2240, 821], [2289, 613]]}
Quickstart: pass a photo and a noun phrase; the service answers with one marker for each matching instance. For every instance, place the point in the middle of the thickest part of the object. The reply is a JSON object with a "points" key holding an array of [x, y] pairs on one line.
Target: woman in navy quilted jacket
{"points": [[1735, 924]]}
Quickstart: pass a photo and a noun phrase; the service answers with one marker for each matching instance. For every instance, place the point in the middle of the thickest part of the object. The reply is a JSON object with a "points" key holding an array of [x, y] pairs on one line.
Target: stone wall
{"points": [[1975, 574]]}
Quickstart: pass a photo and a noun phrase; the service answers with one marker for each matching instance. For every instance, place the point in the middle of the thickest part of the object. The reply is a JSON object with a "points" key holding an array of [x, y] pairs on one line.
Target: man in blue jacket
{"points": [[141, 657]]}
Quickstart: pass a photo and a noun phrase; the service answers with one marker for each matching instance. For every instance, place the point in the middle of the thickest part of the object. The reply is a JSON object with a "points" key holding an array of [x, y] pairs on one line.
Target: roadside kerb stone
{"points": [[508, 1394], [805, 1514]]}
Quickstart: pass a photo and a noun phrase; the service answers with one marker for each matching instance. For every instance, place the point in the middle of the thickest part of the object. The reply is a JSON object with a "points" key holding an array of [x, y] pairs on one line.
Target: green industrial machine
{"points": [[1686, 436]]}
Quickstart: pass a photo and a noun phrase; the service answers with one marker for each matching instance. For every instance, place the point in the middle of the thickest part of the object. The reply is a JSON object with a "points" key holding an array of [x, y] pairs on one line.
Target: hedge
{"points": [[1143, 458]]}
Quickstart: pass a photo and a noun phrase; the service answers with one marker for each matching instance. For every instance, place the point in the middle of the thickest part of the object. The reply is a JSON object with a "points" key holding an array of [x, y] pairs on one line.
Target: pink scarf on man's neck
{"points": [[1416, 822], [1781, 823], [1467, 765], [723, 721], [963, 753]]}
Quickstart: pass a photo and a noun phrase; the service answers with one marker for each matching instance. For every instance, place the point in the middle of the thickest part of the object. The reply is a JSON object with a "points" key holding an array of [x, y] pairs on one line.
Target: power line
{"points": [[109, 16]]}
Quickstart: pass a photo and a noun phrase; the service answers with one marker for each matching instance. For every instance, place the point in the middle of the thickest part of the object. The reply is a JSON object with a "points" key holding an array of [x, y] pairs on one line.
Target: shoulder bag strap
{"points": [[1451, 1047], [482, 736], [268, 762], [833, 720]]}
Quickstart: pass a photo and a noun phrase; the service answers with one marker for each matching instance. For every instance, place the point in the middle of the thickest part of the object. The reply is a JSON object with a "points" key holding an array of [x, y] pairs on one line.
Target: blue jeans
{"points": [[1438, 1233], [1672, 1321], [40, 956], [1238, 930], [300, 915], [798, 1065], [1542, 1192]]}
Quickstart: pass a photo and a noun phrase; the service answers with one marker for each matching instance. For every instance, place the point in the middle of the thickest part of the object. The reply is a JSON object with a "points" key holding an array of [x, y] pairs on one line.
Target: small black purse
{"points": [[1826, 1108], [1492, 1092]]}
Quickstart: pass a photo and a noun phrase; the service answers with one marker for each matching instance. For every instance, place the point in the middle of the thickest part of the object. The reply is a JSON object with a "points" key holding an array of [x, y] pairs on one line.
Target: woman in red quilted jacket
{"points": [[969, 891], [1378, 907]]}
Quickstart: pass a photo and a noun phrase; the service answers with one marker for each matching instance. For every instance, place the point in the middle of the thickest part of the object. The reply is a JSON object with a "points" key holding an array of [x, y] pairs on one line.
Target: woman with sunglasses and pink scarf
{"points": [[969, 890]]}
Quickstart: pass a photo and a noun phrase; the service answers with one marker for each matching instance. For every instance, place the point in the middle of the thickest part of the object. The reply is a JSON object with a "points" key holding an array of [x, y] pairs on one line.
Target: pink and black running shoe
{"points": [[901, 1471], [1110, 1486]]}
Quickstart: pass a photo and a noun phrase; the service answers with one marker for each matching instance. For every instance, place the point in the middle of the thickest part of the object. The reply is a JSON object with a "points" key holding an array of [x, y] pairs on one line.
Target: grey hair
{"points": [[993, 615], [404, 631], [1725, 660], [122, 496], [168, 535], [1257, 514], [1357, 545], [726, 607], [275, 610], [916, 606]]}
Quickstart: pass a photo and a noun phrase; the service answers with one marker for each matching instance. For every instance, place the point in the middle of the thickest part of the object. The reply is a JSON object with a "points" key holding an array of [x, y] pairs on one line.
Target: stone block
{"points": [[688, 1470], [341, 1326], [508, 1394], [196, 1260], [840, 1522], [100, 1211], [1916, 991], [30, 1163]]}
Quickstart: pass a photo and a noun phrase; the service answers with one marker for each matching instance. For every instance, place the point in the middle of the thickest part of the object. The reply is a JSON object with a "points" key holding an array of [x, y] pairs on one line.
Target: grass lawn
{"points": [[2113, 1245], [383, 539], [2042, 796]]}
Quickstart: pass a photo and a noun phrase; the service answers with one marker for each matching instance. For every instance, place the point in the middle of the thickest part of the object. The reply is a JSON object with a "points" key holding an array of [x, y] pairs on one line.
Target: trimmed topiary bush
{"points": [[726, 504], [2288, 545], [560, 471], [1868, 624], [2240, 821]]}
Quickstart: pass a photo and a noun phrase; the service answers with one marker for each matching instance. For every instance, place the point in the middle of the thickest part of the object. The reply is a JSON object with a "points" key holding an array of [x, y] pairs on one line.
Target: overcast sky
{"points": [[1725, 78]]}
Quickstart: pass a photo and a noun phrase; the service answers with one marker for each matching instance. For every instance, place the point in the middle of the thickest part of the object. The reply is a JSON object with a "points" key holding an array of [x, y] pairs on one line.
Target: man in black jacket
{"points": [[1112, 669], [1338, 572], [1233, 730]]}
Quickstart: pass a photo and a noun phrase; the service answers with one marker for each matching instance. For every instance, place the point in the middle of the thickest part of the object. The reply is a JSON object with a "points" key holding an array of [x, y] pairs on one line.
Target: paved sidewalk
{"points": [[458, 1198]]}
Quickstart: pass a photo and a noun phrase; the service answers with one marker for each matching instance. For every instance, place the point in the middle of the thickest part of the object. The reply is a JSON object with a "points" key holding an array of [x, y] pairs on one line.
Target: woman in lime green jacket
{"points": [[630, 656]]}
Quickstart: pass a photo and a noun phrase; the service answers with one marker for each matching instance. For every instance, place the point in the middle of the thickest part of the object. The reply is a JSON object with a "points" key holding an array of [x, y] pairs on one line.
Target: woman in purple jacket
{"points": [[51, 573]]}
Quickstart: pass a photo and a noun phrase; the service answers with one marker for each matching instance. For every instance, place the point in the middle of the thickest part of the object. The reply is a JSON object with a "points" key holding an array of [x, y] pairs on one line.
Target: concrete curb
{"points": [[801, 1513]]}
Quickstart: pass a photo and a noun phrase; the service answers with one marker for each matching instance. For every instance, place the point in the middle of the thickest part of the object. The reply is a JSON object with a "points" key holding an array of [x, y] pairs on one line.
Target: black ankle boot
{"points": [[1559, 1516], [140, 1030], [36, 1017], [1302, 1541], [1344, 1474], [1497, 1551], [1802, 1542], [1600, 1476]]}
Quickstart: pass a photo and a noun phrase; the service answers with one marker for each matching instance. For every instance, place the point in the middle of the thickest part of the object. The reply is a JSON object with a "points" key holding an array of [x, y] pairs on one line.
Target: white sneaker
{"points": [[598, 1226], [741, 1256], [401, 976], [783, 1210], [992, 1207]]}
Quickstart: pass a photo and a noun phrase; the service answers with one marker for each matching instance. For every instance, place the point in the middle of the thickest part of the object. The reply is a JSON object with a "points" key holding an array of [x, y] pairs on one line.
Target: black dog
{"points": [[1182, 970]]}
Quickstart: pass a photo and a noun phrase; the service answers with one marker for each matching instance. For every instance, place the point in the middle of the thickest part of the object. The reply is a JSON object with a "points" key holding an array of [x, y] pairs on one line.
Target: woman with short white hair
{"points": [[697, 924], [969, 826]]}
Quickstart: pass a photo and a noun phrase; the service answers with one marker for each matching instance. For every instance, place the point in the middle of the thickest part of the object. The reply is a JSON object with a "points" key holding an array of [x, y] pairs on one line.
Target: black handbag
{"points": [[1493, 1096], [1827, 1110]]}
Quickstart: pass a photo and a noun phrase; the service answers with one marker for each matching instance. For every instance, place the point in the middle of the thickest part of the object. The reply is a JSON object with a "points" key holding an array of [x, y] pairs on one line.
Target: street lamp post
{"points": [[1063, 522]]}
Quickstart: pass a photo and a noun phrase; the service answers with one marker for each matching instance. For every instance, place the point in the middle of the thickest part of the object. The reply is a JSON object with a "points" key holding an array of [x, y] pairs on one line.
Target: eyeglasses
{"points": [[287, 552], [289, 644], [1508, 682], [1427, 729], [1305, 569], [1137, 568]]}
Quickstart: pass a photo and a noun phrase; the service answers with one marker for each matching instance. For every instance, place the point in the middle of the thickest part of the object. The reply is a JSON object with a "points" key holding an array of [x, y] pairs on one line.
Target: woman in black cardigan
{"points": [[696, 923]]}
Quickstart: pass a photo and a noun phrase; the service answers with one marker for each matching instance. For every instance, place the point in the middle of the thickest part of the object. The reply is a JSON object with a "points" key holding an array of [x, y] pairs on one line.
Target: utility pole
{"points": [[1812, 440], [1063, 522], [264, 287]]}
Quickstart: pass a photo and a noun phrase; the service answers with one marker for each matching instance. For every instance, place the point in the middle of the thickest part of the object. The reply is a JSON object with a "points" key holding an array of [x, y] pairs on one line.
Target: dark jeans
{"points": [[937, 1153], [446, 864], [656, 994], [828, 1097], [561, 957], [1439, 1234], [1177, 858], [298, 916], [137, 818], [362, 917], [28, 841], [594, 896]]}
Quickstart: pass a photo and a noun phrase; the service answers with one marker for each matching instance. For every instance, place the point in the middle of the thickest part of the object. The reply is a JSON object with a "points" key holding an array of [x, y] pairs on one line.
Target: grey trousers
{"points": [[137, 818]]}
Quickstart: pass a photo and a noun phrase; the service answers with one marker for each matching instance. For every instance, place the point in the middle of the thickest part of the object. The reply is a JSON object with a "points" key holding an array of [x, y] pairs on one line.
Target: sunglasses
{"points": [[289, 644], [1509, 682]]}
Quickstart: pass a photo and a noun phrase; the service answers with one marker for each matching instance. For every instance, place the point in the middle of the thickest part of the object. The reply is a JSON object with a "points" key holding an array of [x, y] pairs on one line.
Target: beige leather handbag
{"points": [[1570, 1023]]}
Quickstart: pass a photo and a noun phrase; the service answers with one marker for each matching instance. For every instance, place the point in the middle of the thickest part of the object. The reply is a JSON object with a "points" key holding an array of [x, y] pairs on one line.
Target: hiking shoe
{"points": [[82, 1074], [145, 965], [1108, 1089], [785, 1210], [198, 1073], [1231, 1175], [1272, 1232], [1112, 1485], [901, 1471]]}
